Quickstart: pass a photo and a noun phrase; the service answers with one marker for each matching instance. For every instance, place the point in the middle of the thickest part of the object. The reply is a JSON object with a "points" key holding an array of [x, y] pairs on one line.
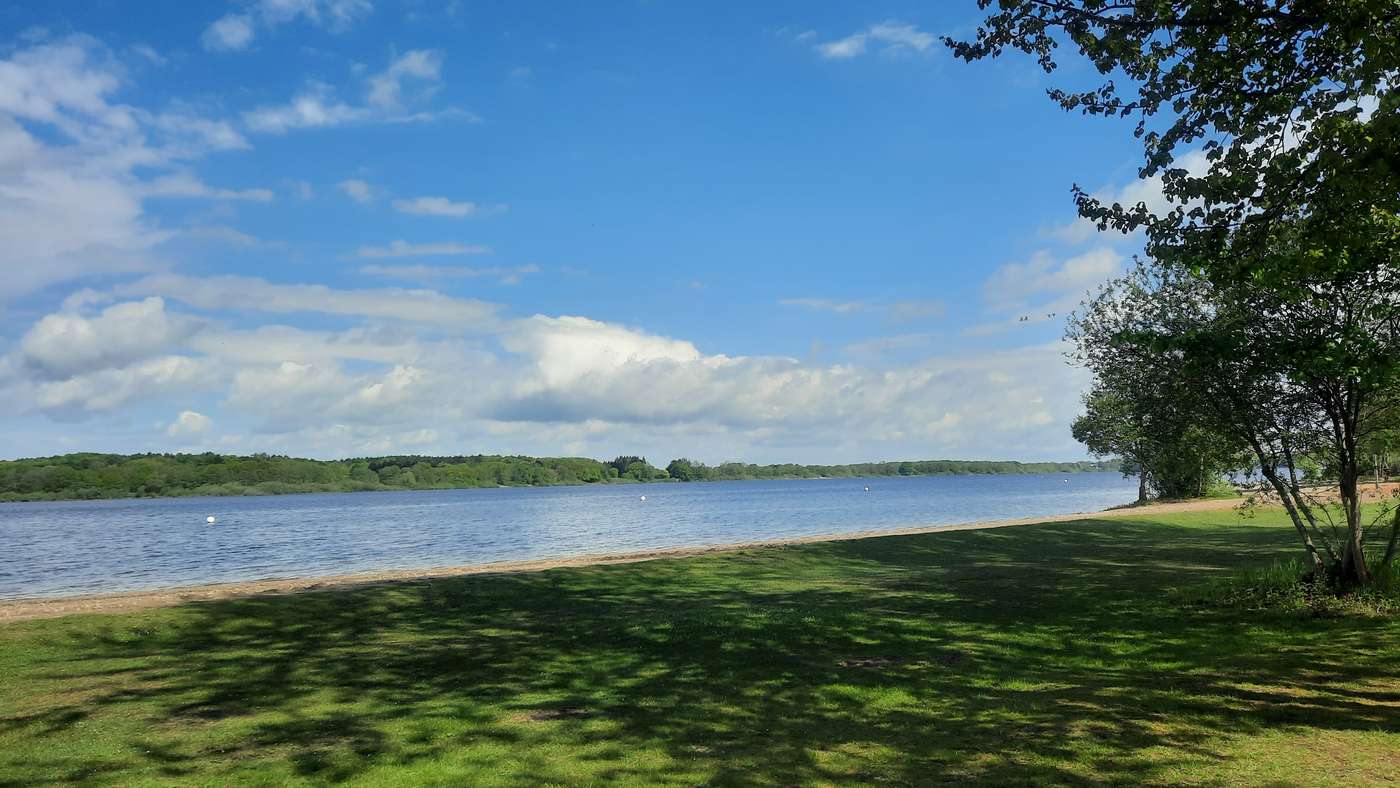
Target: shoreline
{"points": [[128, 601]]}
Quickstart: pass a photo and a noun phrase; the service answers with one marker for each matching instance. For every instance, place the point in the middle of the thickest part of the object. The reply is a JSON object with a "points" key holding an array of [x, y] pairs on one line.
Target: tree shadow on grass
{"points": [[1049, 653]]}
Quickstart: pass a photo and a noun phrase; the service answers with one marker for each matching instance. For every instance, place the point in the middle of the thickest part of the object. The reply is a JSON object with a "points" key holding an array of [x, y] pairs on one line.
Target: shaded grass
{"points": [[1038, 654]]}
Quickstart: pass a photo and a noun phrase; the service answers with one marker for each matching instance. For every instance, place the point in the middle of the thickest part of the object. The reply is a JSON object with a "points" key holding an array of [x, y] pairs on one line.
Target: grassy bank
{"points": [[1044, 653]]}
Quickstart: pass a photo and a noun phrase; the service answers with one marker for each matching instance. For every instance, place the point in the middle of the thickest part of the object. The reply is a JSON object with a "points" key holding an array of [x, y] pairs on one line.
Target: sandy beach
{"points": [[52, 607]]}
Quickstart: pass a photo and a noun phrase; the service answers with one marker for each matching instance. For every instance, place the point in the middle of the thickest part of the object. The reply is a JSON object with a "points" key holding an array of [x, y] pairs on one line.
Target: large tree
{"points": [[1267, 90], [1301, 376], [1287, 234], [1159, 436]]}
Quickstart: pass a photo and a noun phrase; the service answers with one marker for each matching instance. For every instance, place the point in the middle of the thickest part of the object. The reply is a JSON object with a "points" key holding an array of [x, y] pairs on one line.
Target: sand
{"points": [[23, 609]]}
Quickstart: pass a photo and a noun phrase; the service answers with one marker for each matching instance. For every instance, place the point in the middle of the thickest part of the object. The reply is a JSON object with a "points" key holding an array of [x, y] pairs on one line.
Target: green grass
{"points": [[1039, 654]]}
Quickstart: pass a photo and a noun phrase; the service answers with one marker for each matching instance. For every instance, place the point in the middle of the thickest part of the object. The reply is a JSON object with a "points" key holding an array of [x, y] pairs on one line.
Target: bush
{"points": [[1291, 588]]}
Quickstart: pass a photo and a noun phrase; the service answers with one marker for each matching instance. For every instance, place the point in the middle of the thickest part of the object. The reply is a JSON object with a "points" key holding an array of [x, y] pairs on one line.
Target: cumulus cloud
{"points": [[542, 383], [889, 37], [65, 344], [189, 424], [107, 389]]}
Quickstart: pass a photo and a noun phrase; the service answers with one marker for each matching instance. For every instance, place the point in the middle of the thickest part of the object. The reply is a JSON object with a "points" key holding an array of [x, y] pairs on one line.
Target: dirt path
{"points": [[22, 609]]}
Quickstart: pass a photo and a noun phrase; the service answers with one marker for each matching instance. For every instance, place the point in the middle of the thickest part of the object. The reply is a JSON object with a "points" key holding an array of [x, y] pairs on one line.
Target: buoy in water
{"points": [[643, 498], [867, 488], [210, 519]]}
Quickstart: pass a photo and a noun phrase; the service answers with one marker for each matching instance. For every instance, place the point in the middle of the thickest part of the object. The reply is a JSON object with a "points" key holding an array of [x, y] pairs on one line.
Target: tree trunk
{"points": [[1394, 534], [1314, 557], [1354, 570], [1142, 486]]}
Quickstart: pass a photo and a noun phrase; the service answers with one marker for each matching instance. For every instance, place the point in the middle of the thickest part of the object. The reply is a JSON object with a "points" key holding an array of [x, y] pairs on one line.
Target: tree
{"points": [[1264, 87], [1111, 425], [685, 470], [1295, 373], [621, 464], [641, 470], [1156, 429], [1283, 241]]}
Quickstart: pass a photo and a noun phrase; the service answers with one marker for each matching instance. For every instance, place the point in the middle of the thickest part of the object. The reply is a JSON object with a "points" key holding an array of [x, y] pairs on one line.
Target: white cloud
{"points": [[231, 33], [387, 101], [222, 234], [385, 344], [75, 167], [401, 248], [357, 190], [843, 48], [1016, 285], [65, 344], [891, 37], [552, 383], [1143, 191], [316, 107], [249, 293], [108, 389], [150, 54], [1044, 288], [874, 348], [435, 206], [189, 424], [200, 134], [184, 184], [235, 32], [386, 87], [434, 273]]}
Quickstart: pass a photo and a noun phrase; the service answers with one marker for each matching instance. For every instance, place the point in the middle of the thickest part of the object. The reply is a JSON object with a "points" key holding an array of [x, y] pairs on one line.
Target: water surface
{"points": [[83, 547]]}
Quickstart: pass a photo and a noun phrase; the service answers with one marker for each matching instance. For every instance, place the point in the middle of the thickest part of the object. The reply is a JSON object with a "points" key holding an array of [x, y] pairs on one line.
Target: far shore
{"points": [[53, 607]]}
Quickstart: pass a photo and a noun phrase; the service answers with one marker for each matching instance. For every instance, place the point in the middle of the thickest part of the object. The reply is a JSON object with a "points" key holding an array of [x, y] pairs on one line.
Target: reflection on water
{"points": [[78, 547]]}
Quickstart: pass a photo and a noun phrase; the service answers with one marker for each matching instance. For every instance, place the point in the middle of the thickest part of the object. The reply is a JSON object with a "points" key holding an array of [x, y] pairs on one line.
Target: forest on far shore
{"points": [[91, 475]]}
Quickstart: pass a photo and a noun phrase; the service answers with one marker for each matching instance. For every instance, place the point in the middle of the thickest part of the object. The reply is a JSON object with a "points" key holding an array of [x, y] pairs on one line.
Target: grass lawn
{"points": [[1034, 654]]}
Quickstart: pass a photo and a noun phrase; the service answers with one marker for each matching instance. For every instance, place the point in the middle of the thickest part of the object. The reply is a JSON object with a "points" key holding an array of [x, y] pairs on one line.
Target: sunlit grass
{"points": [[1053, 653]]}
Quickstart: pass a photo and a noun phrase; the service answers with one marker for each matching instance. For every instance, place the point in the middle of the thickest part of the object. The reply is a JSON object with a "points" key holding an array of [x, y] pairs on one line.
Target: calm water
{"points": [[77, 547]]}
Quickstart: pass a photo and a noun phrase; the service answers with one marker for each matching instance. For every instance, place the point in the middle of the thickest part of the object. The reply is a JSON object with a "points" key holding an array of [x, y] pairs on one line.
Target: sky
{"points": [[776, 232]]}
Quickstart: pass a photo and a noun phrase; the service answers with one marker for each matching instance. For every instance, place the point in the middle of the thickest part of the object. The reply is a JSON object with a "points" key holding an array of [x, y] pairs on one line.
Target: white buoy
{"points": [[210, 519], [867, 488], [643, 498]]}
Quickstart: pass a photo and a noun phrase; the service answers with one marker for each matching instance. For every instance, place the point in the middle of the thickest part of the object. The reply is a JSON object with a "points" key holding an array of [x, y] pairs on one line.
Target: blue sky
{"points": [[767, 232]]}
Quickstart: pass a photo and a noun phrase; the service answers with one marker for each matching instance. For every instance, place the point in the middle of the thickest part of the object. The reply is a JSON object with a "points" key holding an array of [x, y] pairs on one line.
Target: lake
{"points": [[84, 547]]}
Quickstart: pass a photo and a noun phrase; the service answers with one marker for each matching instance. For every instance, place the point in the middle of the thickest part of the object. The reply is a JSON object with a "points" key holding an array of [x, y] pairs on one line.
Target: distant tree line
{"points": [[91, 475]]}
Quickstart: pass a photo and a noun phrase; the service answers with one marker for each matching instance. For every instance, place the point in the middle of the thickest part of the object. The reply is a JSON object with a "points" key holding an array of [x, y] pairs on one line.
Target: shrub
{"points": [[1290, 588]]}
